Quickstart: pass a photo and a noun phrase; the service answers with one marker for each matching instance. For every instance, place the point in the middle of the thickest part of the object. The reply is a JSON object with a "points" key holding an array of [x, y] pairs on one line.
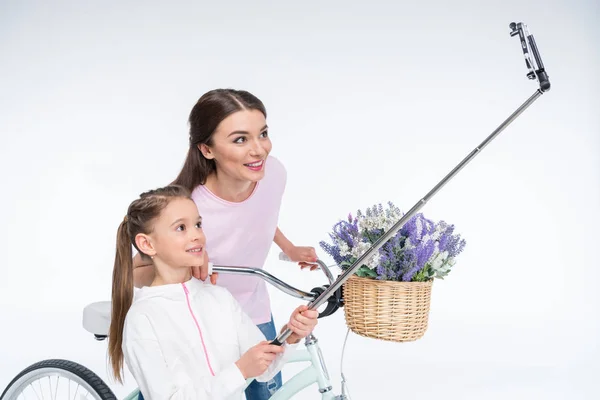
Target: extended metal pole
{"points": [[544, 85]]}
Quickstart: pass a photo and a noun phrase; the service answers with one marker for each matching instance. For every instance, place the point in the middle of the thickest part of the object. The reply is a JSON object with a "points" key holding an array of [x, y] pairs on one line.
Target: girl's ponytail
{"points": [[122, 297], [140, 214]]}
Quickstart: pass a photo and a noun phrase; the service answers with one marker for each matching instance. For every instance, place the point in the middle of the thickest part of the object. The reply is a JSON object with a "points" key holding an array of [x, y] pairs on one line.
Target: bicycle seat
{"points": [[96, 318]]}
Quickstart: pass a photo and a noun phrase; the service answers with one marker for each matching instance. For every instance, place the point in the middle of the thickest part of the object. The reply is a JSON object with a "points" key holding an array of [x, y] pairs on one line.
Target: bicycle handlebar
{"points": [[278, 283]]}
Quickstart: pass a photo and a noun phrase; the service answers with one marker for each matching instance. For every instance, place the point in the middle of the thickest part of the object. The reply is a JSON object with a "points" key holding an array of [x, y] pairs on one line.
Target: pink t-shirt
{"points": [[241, 234]]}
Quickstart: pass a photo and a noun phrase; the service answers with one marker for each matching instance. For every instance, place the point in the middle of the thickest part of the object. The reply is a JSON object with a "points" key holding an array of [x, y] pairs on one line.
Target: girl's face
{"points": [[240, 146], [177, 238]]}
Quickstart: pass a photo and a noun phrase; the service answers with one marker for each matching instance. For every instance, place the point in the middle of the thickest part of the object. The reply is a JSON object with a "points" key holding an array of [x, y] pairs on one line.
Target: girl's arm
{"points": [[143, 356], [304, 256]]}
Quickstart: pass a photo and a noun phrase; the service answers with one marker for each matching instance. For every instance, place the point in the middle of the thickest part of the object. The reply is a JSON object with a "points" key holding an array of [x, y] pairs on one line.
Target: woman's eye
{"points": [[264, 134], [181, 228], [241, 139]]}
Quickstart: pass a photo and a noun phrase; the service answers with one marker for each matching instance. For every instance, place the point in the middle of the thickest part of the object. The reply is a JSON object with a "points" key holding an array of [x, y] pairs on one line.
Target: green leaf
{"points": [[365, 272]]}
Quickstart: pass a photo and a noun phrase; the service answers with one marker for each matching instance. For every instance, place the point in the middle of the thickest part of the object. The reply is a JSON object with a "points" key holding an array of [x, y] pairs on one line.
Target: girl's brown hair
{"points": [[139, 219], [212, 108]]}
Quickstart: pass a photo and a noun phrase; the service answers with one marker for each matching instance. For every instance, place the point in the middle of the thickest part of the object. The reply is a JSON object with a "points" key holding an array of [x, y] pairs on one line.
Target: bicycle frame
{"points": [[316, 372]]}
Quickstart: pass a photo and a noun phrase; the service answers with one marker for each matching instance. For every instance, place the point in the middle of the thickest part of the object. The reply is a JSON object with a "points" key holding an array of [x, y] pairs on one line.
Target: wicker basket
{"points": [[387, 310]]}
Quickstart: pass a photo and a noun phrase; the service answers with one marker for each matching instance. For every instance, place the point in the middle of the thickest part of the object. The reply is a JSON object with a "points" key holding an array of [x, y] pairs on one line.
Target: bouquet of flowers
{"points": [[420, 251]]}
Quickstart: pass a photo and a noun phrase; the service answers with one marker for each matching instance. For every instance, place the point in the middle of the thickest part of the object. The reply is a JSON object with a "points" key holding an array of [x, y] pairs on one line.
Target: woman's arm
{"points": [[143, 355], [280, 240], [143, 271]]}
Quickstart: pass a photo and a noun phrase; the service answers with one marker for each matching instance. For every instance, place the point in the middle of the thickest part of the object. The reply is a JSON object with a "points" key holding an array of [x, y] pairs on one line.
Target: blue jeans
{"points": [[260, 390]]}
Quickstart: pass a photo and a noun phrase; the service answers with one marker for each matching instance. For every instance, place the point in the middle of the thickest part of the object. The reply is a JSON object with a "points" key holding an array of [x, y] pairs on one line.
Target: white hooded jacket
{"points": [[181, 341]]}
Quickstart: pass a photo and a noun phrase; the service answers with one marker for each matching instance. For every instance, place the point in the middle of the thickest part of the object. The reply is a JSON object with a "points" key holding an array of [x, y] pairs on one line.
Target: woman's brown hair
{"points": [[212, 108], [139, 219]]}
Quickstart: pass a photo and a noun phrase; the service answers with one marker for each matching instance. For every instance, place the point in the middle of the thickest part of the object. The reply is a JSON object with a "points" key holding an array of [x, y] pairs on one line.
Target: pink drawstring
{"points": [[185, 289]]}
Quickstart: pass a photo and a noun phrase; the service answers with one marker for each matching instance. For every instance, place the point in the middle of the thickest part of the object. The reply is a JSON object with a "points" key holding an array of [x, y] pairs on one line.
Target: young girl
{"points": [[179, 337], [238, 187]]}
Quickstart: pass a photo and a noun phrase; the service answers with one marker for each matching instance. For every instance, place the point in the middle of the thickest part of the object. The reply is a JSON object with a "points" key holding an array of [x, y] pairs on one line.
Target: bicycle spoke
{"points": [[34, 392], [56, 390], [41, 390], [76, 390]]}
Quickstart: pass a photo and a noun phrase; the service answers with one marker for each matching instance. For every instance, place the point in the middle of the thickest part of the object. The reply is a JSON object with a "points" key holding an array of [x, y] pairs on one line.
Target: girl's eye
{"points": [[199, 225], [241, 139], [181, 228]]}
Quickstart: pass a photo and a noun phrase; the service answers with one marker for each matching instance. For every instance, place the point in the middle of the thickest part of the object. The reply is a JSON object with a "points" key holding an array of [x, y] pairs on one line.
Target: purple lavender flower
{"points": [[419, 257], [346, 231], [333, 251]]}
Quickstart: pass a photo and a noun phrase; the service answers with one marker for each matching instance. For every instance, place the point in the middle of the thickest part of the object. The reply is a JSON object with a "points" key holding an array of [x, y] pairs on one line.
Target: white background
{"points": [[367, 102]]}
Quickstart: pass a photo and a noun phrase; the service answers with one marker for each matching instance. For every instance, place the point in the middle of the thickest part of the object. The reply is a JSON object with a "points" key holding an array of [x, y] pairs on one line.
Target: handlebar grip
{"points": [[284, 257]]}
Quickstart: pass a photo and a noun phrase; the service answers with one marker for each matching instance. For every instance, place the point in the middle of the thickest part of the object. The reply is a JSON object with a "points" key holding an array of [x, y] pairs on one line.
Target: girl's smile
{"points": [[196, 251]]}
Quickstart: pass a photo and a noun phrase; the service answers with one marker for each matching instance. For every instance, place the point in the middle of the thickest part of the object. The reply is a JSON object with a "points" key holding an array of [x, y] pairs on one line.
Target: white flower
{"points": [[362, 248], [439, 260], [419, 225], [344, 249]]}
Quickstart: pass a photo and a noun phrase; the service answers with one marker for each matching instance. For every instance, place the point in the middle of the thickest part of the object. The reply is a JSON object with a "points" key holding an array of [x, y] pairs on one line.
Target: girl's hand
{"points": [[302, 322], [257, 359], [304, 256]]}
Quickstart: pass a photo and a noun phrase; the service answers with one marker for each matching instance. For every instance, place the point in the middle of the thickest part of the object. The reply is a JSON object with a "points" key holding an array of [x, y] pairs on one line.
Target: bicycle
{"points": [[97, 315], [96, 320]]}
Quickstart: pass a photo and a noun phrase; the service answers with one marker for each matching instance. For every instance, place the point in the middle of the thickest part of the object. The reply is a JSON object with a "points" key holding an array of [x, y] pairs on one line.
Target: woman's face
{"points": [[240, 146]]}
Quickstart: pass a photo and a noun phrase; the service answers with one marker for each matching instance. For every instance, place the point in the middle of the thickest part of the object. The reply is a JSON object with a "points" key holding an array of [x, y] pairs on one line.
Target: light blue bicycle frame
{"points": [[316, 372]]}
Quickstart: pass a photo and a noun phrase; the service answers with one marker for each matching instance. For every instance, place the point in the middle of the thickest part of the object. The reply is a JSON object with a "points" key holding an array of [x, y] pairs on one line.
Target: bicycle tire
{"points": [[70, 369]]}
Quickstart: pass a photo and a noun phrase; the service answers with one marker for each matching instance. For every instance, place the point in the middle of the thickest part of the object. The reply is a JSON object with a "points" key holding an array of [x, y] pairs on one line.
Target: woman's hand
{"points": [[302, 322], [304, 256], [201, 272]]}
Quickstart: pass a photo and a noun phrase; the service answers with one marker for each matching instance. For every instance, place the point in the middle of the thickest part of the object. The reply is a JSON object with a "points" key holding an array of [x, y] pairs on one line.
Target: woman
{"points": [[237, 186]]}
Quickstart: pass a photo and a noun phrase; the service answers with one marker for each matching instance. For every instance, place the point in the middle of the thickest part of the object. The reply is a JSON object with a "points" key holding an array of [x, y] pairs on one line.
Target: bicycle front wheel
{"points": [[57, 379]]}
